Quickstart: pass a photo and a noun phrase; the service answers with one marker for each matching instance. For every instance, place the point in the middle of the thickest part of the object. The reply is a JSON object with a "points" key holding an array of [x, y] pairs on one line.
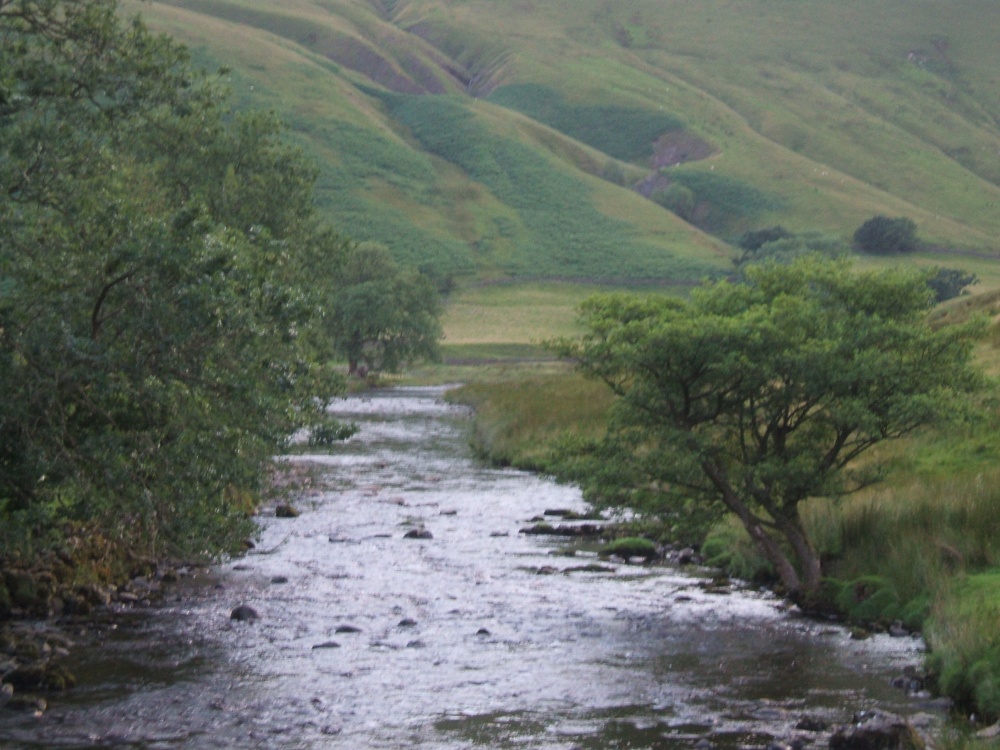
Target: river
{"points": [[476, 637]]}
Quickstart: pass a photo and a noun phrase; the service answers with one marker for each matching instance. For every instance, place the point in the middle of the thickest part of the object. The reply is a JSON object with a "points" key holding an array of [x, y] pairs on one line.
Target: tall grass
{"points": [[916, 534], [517, 421], [964, 636]]}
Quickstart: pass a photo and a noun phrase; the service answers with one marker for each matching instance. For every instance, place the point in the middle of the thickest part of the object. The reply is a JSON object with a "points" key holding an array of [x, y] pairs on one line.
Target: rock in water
{"points": [[243, 613], [6, 693], [286, 511], [877, 731], [327, 644], [418, 534]]}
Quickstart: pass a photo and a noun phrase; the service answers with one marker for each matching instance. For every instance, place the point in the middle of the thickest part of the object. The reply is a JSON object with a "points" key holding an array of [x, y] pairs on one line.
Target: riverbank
{"points": [[917, 554]]}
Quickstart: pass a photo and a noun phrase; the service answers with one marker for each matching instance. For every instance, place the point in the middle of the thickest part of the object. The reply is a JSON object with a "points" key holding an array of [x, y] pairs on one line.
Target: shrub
{"points": [[676, 198], [948, 283], [631, 546], [881, 235]]}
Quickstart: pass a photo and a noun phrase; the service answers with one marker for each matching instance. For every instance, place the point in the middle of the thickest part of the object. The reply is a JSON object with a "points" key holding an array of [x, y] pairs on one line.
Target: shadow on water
{"points": [[369, 639]]}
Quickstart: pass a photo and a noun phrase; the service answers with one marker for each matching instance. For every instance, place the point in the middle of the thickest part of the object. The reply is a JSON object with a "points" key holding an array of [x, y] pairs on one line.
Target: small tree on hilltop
{"points": [[753, 397], [881, 235]]}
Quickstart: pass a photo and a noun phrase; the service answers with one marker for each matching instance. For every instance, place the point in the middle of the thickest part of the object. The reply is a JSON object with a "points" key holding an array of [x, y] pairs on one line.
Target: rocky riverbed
{"points": [[398, 604]]}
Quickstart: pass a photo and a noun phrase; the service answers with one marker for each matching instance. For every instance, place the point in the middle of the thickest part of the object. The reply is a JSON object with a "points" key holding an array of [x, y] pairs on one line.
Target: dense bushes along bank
{"points": [[924, 548]]}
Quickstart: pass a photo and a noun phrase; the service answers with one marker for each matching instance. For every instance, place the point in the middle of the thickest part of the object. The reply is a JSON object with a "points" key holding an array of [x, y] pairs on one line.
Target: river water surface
{"points": [[477, 637]]}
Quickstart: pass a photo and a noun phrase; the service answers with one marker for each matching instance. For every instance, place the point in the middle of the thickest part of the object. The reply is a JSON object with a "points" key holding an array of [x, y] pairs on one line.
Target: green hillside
{"points": [[503, 139]]}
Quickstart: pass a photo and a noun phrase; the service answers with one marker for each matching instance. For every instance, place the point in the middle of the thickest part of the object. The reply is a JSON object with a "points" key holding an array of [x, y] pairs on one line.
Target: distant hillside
{"points": [[520, 139]]}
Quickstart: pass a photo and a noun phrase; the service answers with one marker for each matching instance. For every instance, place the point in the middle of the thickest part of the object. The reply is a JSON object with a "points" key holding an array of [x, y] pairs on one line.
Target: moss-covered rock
{"points": [[630, 546]]}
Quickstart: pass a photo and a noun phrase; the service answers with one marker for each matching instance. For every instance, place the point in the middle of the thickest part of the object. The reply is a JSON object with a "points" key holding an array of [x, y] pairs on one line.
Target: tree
{"points": [[881, 235], [381, 316], [154, 292], [948, 283], [755, 239], [754, 397]]}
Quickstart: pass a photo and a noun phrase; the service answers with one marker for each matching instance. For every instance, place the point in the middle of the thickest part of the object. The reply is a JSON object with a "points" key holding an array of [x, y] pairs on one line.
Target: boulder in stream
{"points": [[874, 730], [286, 511], [420, 533], [244, 613]]}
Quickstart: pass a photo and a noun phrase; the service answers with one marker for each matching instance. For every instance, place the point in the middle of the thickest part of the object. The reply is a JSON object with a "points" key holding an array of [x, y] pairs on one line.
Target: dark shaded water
{"points": [[461, 642]]}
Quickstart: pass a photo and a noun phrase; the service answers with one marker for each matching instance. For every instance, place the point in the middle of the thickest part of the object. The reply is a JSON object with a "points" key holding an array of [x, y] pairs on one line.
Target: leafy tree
{"points": [[155, 296], [381, 316], [948, 283], [757, 238], [881, 235], [753, 397]]}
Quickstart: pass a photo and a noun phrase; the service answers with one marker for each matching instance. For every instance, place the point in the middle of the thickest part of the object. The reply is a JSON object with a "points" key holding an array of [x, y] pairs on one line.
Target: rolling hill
{"points": [[521, 140]]}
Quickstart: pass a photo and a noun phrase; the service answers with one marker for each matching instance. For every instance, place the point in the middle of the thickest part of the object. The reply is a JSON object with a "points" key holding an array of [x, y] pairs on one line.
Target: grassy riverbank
{"points": [[922, 548]]}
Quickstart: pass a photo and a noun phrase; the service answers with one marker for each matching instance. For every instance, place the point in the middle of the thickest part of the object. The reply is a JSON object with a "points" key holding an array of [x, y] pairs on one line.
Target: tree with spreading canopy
{"points": [[752, 397]]}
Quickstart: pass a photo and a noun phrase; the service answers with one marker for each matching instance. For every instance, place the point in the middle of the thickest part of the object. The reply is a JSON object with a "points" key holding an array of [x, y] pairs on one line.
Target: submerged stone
{"points": [[244, 613]]}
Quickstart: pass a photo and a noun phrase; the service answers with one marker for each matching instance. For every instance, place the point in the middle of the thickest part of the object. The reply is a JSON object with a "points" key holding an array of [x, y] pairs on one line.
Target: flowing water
{"points": [[477, 637]]}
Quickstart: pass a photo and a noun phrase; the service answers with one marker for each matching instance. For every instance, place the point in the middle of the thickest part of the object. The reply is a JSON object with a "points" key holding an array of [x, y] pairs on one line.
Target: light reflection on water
{"points": [[496, 655]]}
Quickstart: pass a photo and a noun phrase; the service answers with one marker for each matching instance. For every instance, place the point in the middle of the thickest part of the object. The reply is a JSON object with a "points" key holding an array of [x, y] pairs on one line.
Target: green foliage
{"points": [[723, 203], [881, 235], [753, 240], [869, 599], [155, 302], [948, 283], [381, 317], [790, 247], [758, 396], [676, 198], [630, 546], [624, 133]]}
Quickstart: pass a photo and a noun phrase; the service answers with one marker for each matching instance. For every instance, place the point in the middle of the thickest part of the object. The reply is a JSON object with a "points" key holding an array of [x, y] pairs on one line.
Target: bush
{"points": [[881, 235], [677, 199], [631, 546], [948, 283]]}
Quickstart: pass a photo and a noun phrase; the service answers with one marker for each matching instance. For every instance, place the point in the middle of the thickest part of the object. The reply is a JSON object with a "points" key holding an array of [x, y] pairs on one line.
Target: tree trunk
{"points": [[810, 567], [773, 552], [766, 543]]}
